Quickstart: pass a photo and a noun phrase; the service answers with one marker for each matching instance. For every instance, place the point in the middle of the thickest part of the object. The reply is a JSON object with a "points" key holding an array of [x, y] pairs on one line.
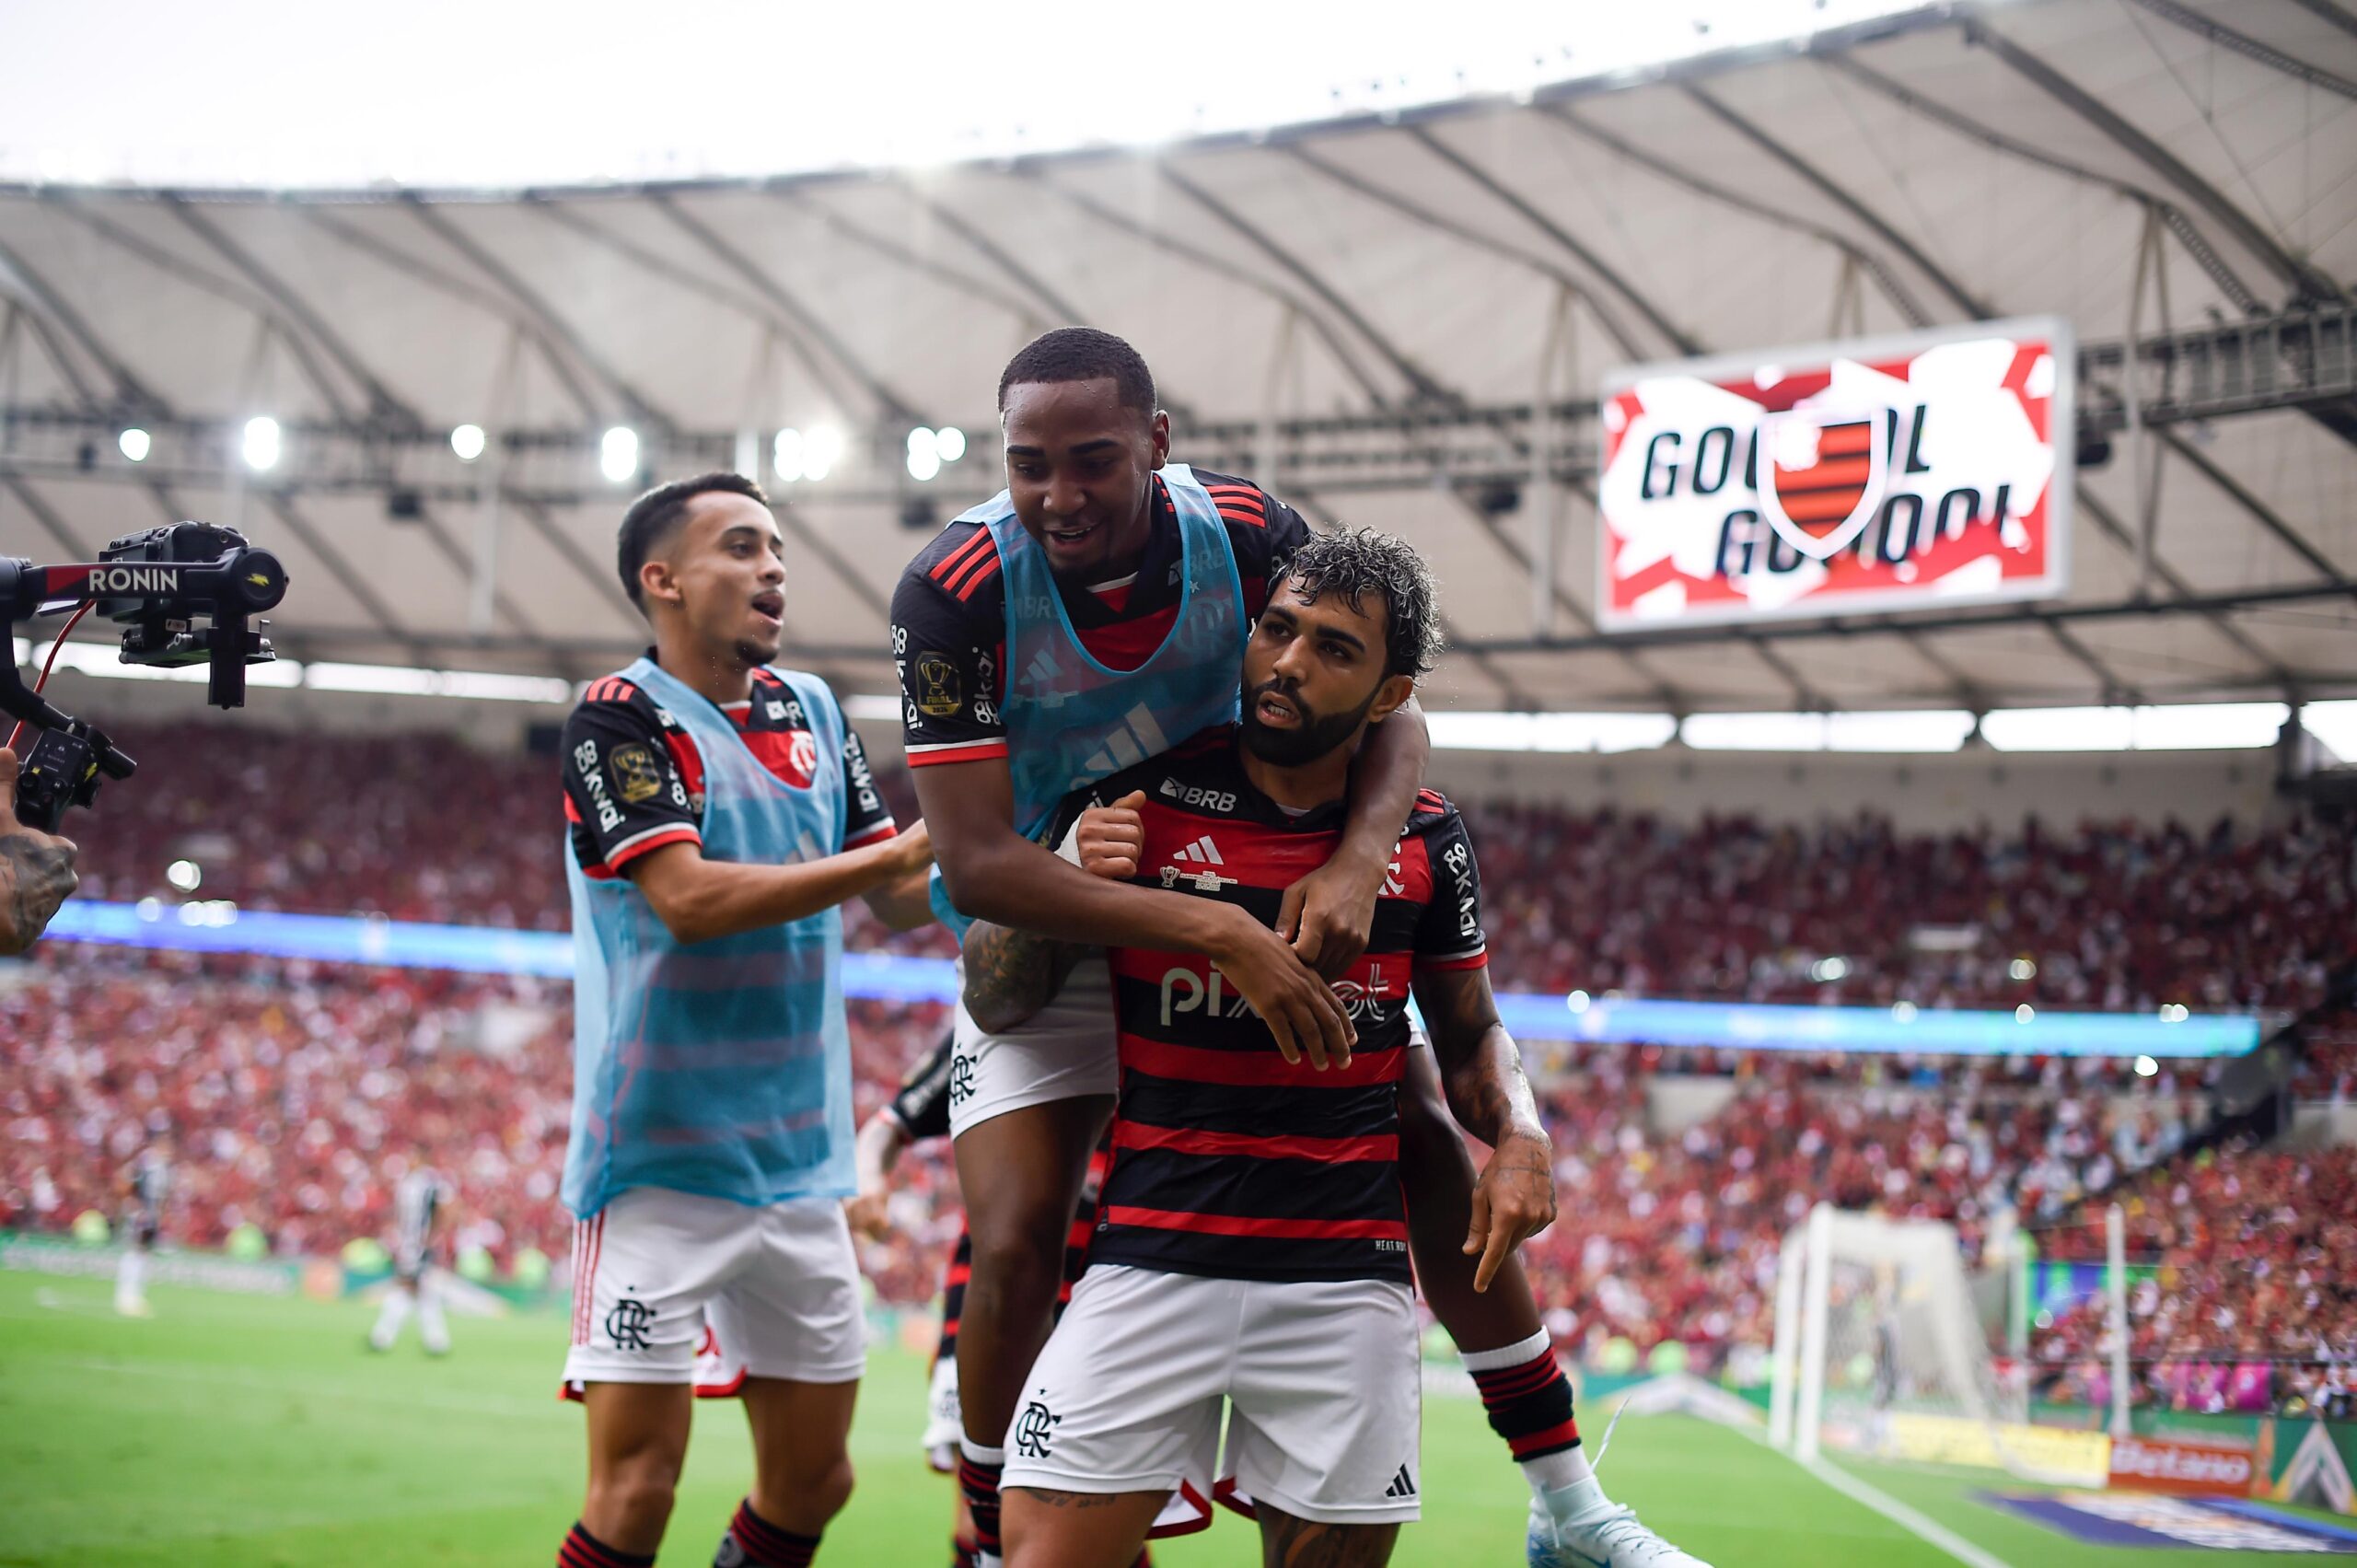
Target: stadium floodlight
{"points": [[950, 442], [2023, 969], [134, 443], [2146, 1067], [262, 443], [925, 456], [1578, 1001], [2025, 1014], [185, 874], [786, 455], [1826, 970], [821, 445], [618, 454], [2335, 725], [467, 440], [1902, 1012], [2174, 1012]]}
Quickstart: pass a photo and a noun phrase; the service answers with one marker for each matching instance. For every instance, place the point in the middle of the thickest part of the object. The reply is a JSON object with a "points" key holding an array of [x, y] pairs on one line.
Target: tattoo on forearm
{"points": [[35, 877], [1009, 972]]}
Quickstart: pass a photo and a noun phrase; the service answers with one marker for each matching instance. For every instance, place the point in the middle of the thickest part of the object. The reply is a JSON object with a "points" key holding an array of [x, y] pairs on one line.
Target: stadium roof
{"points": [[1364, 313]]}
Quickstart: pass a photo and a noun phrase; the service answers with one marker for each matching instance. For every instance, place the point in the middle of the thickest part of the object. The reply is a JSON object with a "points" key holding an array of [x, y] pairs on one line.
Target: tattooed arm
{"points": [[1480, 1069], [1010, 975], [36, 870]]}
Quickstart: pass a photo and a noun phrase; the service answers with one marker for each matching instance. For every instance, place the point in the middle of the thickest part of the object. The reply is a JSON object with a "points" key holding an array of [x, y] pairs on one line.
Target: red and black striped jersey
{"points": [[642, 786], [1229, 1161], [950, 614]]}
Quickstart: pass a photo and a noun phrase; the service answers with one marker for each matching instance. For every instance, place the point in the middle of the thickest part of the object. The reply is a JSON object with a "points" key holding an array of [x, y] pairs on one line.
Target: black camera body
{"points": [[186, 593]]}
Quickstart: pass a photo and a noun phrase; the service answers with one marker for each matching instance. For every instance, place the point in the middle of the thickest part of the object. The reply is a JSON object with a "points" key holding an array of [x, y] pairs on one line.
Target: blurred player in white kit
{"points": [[420, 1203]]}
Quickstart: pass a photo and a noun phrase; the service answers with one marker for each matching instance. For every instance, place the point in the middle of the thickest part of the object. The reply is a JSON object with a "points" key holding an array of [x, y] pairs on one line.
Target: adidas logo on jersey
{"points": [[1202, 854], [1139, 738], [1402, 1485]]}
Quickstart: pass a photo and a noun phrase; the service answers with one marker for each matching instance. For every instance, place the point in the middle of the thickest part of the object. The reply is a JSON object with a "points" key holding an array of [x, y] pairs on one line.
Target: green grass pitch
{"points": [[234, 1432]]}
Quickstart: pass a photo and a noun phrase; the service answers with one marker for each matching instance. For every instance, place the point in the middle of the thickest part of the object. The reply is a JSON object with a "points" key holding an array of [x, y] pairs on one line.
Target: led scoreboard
{"points": [[1909, 473]]}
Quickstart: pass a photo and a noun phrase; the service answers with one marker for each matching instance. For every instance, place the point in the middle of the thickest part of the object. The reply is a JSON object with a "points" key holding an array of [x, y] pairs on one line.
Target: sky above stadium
{"points": [[443, 93]]}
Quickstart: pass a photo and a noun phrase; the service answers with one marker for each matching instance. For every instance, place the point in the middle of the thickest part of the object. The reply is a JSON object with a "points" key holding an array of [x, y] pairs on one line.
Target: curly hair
{"points": [[1355, 562]]}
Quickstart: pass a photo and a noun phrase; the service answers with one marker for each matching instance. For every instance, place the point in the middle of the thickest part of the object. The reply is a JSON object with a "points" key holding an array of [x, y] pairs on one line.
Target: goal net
{"points": [[1880, 1352]]}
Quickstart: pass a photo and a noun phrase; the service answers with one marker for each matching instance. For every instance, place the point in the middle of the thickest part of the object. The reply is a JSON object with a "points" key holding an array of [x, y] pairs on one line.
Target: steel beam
{"points": [[2250, 48], [2258, 510], [1420, 384], [2307, 281], [1440, 222], [889, 402], [551, 325], [2196, 244], [422, 271], [291, 306], [2326, 11], [1840, 197], [243, 296], [1657, 317], [2000, 618], [915, 261], [1875, 268], [1211, 262]]}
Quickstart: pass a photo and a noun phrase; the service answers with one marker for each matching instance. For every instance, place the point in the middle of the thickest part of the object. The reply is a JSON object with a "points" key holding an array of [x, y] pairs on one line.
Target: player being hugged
{"points": [[721, 811]]}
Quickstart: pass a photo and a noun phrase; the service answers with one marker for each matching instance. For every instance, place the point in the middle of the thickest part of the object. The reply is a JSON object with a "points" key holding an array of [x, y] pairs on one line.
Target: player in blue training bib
{"points": [[1080, 622], [720, 813]]}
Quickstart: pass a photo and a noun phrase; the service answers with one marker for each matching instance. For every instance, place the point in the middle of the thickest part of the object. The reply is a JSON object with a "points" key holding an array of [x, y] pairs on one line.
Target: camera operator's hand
{"points": [[36, 869]]}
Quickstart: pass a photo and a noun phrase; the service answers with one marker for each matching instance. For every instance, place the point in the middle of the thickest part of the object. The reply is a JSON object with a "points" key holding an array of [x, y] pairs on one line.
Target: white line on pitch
{"points": [[1930, 1531]]}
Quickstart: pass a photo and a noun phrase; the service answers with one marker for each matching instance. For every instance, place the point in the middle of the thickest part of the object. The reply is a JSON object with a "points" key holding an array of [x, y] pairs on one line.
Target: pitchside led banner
{"points": [[1907, 472]]}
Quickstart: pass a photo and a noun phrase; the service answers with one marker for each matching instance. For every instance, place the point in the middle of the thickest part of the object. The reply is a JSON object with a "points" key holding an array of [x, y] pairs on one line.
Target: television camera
{"points": [[184, 593]]}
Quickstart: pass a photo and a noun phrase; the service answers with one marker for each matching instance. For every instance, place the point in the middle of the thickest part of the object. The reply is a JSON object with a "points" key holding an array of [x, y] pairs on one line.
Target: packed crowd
{"points": [[2242, 1294], [2114, 916], [291, 1097]]}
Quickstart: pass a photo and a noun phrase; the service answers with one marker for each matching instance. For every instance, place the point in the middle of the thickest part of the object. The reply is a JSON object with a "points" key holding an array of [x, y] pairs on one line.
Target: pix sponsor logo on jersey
{"points": [[1186, 990]]}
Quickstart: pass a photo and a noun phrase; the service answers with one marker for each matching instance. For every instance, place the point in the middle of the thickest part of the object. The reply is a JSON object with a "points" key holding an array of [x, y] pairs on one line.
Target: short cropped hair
{"points": [[1082, 354], [1355, 562], [655, 517]]}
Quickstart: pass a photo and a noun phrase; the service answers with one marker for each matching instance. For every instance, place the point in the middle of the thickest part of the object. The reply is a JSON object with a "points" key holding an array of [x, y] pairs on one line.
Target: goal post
{"points": [[1880, 1352]]}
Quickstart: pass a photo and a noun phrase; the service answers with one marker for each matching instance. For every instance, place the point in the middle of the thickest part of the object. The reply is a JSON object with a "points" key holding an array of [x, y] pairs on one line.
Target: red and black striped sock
{"points": [[760, 1544], [979, 1480], [582, 1550], [961, 1551], [1528, 1397]]}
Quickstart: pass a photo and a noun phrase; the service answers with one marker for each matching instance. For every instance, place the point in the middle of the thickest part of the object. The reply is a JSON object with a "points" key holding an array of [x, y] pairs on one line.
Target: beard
{"points": [[1315, 735]]}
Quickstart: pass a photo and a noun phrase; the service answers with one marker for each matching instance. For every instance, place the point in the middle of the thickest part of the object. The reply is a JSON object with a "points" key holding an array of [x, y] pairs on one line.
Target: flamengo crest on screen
{"points": [[1923, 471]]}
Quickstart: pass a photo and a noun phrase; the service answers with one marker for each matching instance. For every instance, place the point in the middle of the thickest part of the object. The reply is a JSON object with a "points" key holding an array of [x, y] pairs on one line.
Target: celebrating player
{"points": [[1253, 1245], [721, 811], [1056, 633], [420, 1200], [1067, 629]]}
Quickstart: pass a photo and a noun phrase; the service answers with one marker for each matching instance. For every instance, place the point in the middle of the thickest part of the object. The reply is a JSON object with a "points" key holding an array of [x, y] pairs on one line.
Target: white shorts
{"points": [[1065, 1051], [1320, 1381], [660, 1276]]}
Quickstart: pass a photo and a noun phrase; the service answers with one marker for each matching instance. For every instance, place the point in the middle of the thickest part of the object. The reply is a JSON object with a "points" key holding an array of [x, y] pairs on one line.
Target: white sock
{"points": [[130, 1279], [431, 1327], [390, 1320]]}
